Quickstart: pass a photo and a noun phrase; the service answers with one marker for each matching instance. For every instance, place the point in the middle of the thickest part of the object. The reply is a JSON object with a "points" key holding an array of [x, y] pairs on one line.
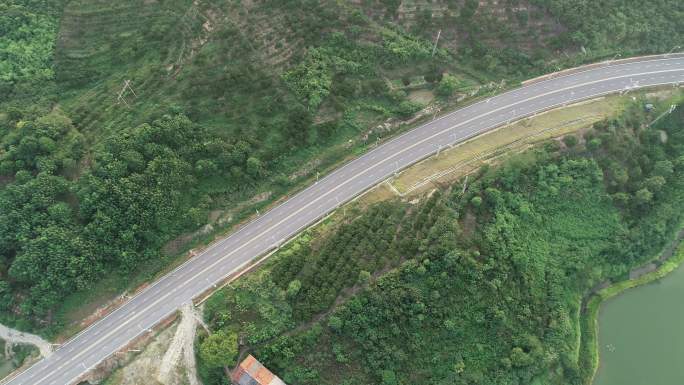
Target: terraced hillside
{"points": [[220, 61], [506, 24], [193, 53], [101, 44]]}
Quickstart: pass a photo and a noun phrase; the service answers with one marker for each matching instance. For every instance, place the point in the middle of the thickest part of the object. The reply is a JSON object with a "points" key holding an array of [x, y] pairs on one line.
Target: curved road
{"points": [[73, 359]]}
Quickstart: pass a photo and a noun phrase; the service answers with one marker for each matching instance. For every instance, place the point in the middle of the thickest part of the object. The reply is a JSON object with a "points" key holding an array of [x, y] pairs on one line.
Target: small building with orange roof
{"points": [[252, 372]]}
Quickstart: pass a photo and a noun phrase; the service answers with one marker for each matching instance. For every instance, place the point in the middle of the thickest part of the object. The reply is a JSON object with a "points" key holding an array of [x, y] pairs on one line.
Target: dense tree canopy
{"points": [[27, 36], [59, 232], [618, 24]]}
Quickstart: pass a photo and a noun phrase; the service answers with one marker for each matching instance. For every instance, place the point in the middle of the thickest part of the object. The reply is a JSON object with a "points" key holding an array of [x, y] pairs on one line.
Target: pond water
{"points": [[641, 335]]}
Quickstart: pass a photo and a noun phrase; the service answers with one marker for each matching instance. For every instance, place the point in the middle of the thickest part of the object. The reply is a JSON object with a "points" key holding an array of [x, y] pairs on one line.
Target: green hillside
{"points": [[231, 100], [482, 286]]}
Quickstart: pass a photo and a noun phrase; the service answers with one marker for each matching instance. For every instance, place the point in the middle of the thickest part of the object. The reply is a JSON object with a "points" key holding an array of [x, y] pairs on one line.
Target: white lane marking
{"points": [[552, 79], [336, 188]]}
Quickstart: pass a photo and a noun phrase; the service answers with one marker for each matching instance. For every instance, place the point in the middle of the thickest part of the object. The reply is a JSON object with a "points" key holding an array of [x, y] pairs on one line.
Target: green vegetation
{"points": [[15, 357], [219, 349], [63, 233], [28, 29], [229, 100], [623, 25], [481, 287], [519, 37]]}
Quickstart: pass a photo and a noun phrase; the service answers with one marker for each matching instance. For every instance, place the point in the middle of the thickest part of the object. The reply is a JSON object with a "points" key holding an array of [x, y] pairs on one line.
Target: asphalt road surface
{"points": [[76, 357]]}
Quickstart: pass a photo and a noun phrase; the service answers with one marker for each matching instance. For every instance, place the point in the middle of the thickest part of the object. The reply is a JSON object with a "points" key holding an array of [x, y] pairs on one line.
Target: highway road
{"points": [[134, 318]]}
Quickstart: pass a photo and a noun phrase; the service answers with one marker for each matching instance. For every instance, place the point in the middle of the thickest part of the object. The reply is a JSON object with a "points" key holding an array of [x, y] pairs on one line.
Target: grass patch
{"points": [[463, 158]]}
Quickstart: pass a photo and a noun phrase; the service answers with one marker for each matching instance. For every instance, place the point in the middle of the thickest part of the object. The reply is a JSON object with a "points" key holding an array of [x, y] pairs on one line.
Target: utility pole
{"points": [[434, 48], [632, 84], [669, 111], [126, 87]]}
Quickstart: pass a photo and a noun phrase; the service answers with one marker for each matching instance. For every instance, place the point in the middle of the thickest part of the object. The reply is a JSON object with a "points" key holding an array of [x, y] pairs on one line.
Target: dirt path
{"points": [[12, 336], [181, 347]]}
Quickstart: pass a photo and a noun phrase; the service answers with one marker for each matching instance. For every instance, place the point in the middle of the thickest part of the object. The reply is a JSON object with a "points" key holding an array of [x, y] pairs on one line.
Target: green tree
{"points": [[388, 377], [407, 109], [254, 166], [448, 85], [335, 323], [5, 296], [663, 168], [570, 141], [364, 277], [519, 358], [594, 144], [293, 288], [643, 196], [219, 349]]}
